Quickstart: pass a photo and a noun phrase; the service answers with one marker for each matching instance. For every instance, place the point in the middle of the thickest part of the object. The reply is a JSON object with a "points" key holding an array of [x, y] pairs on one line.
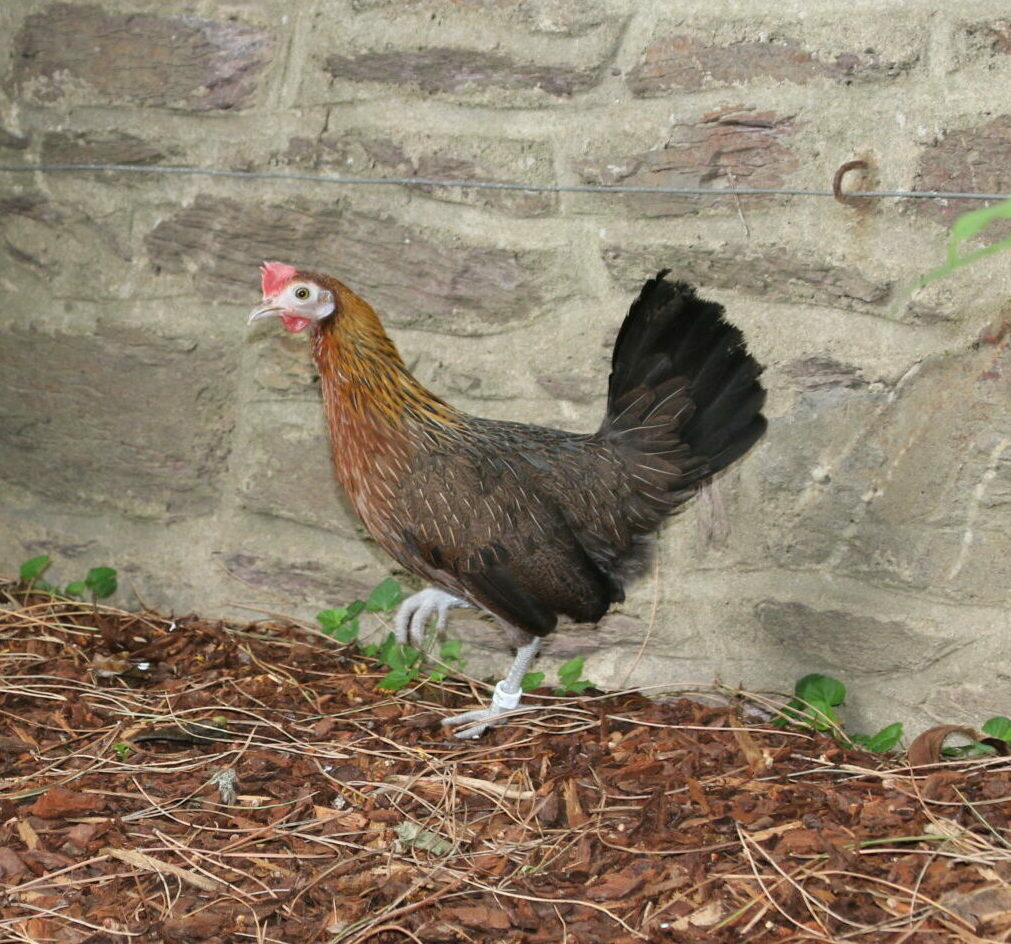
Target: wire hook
{"points": [[837, 190]]}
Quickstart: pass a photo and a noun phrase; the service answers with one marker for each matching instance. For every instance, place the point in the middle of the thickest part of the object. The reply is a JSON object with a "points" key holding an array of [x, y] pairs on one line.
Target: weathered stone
{"points": [[70, 147], [684, 62], [440, 158], [542, 16], [909, 488], [307, 580], [772, 272], [724, 149], [970, 160], [50, 240], [287, 472], [413, 277], [284, 368], [138, 58], [988, 38], [122, 419], [11, 141], [577, 388], [449, 70], [971, 702], [810, 373], [837, 640]]}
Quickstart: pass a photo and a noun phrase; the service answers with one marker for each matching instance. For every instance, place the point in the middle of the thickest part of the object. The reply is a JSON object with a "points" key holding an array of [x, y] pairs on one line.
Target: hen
{"points": [[523, 522]]}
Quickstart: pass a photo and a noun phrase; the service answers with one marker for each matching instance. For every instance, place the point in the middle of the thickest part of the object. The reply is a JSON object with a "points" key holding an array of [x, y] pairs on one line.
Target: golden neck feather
{"points": [[361, 369]]}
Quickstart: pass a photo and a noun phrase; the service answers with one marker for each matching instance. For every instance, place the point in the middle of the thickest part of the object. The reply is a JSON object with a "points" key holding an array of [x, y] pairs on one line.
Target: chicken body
{"points": [[524, 522]]}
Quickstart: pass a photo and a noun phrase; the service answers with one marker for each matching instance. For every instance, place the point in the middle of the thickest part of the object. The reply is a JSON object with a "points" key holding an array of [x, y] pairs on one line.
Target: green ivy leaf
{"points": [[384, 596], [347, 632], [818, 715], [883, 741], [451, 650], [972, 749], [101, 581], [76, 588], [820, 688], [331, 620], [998, 727], [531, 681], [397, 678], [569, 672], [569, 675], [34, 568]]}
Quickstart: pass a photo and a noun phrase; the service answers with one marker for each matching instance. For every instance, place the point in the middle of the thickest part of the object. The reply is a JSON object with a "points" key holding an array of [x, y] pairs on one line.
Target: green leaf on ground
{"points": [[531, 681], [999, 727], [34, 568], [101, 581], [384, 596]]}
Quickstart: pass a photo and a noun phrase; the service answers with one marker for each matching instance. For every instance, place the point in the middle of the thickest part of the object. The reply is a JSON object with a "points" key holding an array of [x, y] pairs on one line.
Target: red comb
{"points": [[274, 276]]}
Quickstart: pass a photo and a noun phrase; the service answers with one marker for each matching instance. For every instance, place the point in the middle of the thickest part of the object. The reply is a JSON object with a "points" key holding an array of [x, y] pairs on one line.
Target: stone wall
{"points": [[143, 426]]}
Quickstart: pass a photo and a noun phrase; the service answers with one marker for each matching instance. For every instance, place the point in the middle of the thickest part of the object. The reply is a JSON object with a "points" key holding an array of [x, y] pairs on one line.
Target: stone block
{"points": [[62, 250], [120, 419], [723, 149], [420, 278], [457, 71], [87, 54], [314, 582], [774, 272], [9, 141], [985, 39], [441, 158], [552, 17], [967, 160], [286, 470], [86, 147], [905, 488], [838, 641], [686, 62]]}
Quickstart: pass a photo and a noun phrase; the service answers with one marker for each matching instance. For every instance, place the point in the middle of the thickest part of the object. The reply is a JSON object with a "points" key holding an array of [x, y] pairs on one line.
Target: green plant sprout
{"points": [[815, 698], [997, 728], [570, 676], [101, 582], [966, 227], [405, 663]]}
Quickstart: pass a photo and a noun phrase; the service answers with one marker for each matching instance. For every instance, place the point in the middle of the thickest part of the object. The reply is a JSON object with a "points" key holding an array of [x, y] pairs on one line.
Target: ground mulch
{"points": [[191, 780]]}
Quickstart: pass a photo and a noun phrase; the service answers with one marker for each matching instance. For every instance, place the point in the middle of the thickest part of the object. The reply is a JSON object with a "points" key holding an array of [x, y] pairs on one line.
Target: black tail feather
{"points": [[683, 387]]}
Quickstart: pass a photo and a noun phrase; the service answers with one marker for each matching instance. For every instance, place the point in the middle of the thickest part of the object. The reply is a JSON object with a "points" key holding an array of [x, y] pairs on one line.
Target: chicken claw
{"points": [[414, 613], [476, 722]]}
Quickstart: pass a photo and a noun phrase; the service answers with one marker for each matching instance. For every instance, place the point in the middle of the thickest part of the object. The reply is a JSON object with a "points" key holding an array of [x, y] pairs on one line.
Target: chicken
{"points": [[523, 522]]}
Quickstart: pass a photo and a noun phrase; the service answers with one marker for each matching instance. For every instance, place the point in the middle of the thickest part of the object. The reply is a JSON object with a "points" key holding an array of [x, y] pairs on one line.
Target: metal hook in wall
{"points": [[837, 190]]}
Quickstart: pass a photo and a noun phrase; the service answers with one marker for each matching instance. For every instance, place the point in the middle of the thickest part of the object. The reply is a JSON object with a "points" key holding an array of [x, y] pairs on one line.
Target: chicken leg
{"points": [[506, 697]]}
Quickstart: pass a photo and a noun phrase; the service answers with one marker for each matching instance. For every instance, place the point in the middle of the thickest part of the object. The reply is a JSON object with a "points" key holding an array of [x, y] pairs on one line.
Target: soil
{"points": [[190, 780]]}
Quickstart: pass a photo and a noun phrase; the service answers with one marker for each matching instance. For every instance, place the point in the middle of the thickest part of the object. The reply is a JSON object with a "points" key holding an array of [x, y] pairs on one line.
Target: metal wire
{"points": [[486, 184]]}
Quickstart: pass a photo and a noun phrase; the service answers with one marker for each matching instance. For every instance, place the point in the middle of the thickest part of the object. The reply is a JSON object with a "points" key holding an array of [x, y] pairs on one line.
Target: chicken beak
{"points": [[265, 310]]}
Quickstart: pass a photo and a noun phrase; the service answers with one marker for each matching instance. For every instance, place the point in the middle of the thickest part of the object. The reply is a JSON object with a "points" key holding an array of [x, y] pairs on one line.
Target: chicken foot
{"points": [[505, 698], [414, 613]]}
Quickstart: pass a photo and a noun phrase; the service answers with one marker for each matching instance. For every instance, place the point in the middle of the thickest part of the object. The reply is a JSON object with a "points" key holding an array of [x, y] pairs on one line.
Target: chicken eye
{"points": [[301, 293]]}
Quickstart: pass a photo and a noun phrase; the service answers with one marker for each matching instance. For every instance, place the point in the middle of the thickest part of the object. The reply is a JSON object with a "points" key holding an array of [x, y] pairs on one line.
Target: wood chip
{"points": [[140, 860]]}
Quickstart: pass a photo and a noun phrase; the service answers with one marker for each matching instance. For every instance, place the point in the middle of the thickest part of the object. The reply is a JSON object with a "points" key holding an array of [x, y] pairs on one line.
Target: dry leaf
{"points": [[11, 866], [615, 886], [926, 749], [573, 808], [27, 834], [990, 906], [481, 916], [58, 802]]}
